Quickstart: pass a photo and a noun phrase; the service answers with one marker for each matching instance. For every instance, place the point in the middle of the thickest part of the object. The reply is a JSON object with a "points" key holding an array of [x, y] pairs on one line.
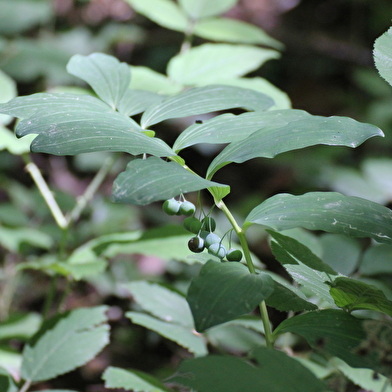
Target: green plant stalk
{"points": [[248, 258], [25, 386], [46, 193]]}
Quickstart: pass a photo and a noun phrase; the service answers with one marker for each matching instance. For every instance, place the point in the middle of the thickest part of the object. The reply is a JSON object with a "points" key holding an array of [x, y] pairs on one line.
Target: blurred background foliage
{"points": [[326, 68]]}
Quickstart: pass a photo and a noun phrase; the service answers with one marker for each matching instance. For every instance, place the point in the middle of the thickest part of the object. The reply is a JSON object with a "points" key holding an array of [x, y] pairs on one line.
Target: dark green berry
{"points": [[234, 255], [171, 206], [196, 244], [217, 249], [210, 239], [192, 224], [187, 208], [209, 224]]}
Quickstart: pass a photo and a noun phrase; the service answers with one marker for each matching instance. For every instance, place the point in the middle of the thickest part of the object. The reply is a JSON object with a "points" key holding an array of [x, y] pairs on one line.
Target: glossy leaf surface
{"points": [[105, 74], [207, 99], [300, 130], [327, 211], [152, 179], [134, 380], [225, 291], [69, 124], [208, 62], [275, 371], [71, 342]]}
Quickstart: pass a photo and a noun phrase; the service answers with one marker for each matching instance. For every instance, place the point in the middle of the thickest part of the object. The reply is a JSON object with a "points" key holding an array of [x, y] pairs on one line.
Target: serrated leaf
{"points": [[206, 99], [351, 294], [69, 124], [105, 74], [143, 78], [233, 30], [301, 252], [274, 372], [163, 12], [376, 260], [184, 336], [301, 130], [327, 211], [74, 340], [383, 55], [225, 291], [152, 179], [161, 302], [134, 380], [204, 8], [335, 332], [208, 62]]}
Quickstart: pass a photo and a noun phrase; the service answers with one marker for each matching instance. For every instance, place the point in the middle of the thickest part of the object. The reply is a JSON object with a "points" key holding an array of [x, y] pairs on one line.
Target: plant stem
{"points": [[187, 43], [25, 386], [90, 191], [244, 244], [50, 296], [46, 193]]}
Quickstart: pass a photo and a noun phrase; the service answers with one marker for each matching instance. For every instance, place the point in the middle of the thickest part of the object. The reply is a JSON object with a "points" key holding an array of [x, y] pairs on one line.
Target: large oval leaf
{"points": [[203, 8], [105, 74], [327, 211], [204, 100], [69, 124], [152, 179], [208, 62], [225, 291], [300, 130]]}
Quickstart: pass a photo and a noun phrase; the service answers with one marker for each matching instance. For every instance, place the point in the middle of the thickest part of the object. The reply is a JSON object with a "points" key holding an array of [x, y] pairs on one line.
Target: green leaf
{"points": [[152, 179], [340, 252], [226, 128], [207, 99], [351, 294], [7, 383], [20, 326], [161, 302], [184, 336], [225, 291], [365, 378], [69, 124], [383, 55], [287, 298], [73, 341], [235, 31], [313, 280], [327, 211], [105, 74], [301, 253], [13, 239], [203, 8], [137, 101], [376, 260], [143, 78], [19, 15], [334, 331], [7, 92], [299, 129], [134, 380], [208, 62], [15, 146], [275, 371], [163, 12]]}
